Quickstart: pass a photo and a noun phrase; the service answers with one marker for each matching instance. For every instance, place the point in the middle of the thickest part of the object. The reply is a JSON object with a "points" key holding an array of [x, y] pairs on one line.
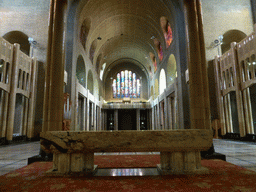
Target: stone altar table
{"points": [[73, 152]]}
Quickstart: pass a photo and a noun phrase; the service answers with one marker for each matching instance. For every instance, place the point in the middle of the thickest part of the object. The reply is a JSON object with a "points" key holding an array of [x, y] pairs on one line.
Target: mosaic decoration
{"points": [[168, 36], [126, 85], [160, 53], [84, 33]]}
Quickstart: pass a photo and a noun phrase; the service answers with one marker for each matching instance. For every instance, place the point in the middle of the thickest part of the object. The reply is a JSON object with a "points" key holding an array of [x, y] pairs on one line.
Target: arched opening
{"points": [[20, 38], [84, 31], [92, 50], [162, 81], [90, 82], [231, 36], [81, 71], [171, 70], [167, 30]]}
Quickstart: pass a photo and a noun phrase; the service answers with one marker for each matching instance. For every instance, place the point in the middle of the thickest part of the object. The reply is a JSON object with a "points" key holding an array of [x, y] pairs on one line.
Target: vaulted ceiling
{"points": [[123, 30]]}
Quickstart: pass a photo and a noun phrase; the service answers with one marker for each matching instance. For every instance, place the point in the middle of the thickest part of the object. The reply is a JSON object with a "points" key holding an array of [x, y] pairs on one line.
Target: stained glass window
{"points": [[126, 85], [168, 36]]}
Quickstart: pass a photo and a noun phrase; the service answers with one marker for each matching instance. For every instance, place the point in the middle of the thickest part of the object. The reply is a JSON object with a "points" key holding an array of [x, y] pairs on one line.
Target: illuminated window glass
{"points": [[126, 85], [167, 30]]}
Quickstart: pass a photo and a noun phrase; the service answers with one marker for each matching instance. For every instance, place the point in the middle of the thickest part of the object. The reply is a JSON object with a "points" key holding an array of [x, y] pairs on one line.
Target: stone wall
{"points": [[220, 17], [29, 17]]}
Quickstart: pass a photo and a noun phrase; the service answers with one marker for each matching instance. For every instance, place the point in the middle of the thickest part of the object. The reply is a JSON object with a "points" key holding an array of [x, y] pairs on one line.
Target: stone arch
{"points": [[20, 38], [171, 70], [84, 31], [167, 30], [162, 81], [90, 82], [231, 36], [81, 71], [92, 50]]}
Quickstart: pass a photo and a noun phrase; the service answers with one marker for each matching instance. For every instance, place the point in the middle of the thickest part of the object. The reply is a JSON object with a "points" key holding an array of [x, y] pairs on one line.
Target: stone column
{"points": [[5, 110], [25, 117], [13, 89], [152, 118], [165, 111], [169, 113], [116, 119], [204, 67], [138, 119], [84, 113], [53, 98], [196, 84], [32, 100], [239, 97]]}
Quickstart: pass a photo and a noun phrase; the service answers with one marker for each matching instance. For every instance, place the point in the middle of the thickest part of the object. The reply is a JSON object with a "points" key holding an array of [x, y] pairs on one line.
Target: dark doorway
{"points": [[110, 120], [127, 119]]}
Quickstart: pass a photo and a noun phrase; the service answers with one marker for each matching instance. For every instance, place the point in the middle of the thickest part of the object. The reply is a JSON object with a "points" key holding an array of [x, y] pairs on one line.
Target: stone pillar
{"points": [[196, 84], [153, 118], [32, 99], [165, 111], [138, 119], [116, 119], [88, 112], [12, 98], [53, 98], [5, 110], [239, 97], [169, 113], [1, 110], [25, 116], [204, 67], [84, 114]]}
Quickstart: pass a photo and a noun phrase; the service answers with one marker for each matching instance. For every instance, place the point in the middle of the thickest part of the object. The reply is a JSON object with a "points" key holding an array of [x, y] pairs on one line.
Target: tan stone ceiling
{"points": [[125, 28]]}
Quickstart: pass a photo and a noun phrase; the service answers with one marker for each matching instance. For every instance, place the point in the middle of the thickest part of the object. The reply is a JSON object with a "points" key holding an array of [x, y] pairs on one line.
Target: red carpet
{"points": [[223, 177]]}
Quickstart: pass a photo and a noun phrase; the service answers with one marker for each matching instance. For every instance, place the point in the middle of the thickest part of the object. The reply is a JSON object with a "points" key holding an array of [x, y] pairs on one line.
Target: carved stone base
{"points": [[188, 162], [73, 152], [72, 164]]}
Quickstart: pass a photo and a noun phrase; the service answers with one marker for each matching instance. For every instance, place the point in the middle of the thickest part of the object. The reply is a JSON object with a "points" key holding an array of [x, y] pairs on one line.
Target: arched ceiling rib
{"points": [[125, 28]]}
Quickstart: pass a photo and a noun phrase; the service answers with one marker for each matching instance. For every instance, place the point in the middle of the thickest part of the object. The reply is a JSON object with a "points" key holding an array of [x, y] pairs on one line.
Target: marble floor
{"points": [[239, 153]]}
